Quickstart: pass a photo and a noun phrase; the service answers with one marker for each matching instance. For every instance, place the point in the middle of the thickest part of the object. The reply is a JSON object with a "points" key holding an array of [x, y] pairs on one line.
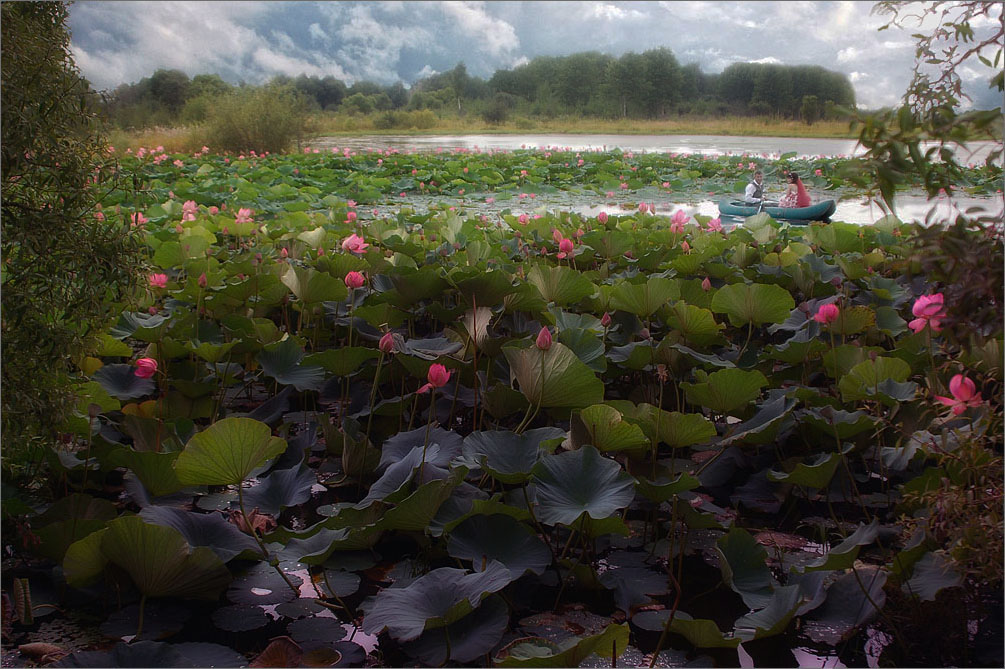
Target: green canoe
{"points": [[820, 211]]}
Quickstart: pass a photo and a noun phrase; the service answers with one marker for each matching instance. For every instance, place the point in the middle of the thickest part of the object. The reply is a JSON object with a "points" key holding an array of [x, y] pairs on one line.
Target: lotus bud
{"points": [[605, 320], [386, 344], [706, 285], [145, 368], [354, 279], [544, 339]]}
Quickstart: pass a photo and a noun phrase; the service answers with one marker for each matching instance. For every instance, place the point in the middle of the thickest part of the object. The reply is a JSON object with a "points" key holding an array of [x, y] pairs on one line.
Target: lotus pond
{"points": [[475, 435]]}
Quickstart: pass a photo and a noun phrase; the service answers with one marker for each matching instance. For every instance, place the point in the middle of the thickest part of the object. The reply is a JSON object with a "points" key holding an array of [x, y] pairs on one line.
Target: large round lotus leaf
{"points": [[581, 481], [505, 455], [744, 567], [157, 559], [555, 377], [866, 379], [401, 444], [561, 285], [441, 597], [316, 628], [816, 472], [852, 600], [932, 573], [342, 361], [203, 529], [726, 390], [281, 361], [470, 637], [483, 539], [644, 298], [313, 287], [755, 303], [852, 320], [281, 489], [540, 652], [697, 325], [226, 452], [607, 430], [120, 381], [774, 618]]}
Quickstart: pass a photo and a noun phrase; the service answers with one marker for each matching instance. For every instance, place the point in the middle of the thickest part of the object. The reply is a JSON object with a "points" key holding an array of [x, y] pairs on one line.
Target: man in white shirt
{"points": [[754, 193]]}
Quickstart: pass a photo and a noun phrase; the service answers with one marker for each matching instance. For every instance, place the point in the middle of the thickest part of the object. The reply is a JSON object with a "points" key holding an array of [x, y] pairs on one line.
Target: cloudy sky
{"points": [[122, 42]]}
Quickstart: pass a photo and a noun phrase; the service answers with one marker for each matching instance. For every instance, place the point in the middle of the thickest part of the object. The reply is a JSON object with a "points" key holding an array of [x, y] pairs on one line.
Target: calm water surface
{"points": [[910, 206]]}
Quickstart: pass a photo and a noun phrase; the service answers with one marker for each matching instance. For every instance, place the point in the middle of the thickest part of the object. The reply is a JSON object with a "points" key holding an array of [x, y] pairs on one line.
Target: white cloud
{"points": [[426, 71], [848, 55], [858, 76], [317, 32], [767, 60], [495, 36]]}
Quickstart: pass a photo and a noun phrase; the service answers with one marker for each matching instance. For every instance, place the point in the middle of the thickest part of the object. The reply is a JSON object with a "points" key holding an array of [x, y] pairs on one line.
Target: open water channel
{"points": [[851, 208]]}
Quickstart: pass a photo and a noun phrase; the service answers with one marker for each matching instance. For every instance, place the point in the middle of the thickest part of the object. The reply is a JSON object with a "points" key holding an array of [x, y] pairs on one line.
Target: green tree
{"points": [[809, 110], [458, 78], [170, 88], [63, 269], [663, 81]]}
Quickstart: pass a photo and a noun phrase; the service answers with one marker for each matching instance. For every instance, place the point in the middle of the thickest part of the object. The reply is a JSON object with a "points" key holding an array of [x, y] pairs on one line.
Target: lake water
{"points": [[910, 206]]}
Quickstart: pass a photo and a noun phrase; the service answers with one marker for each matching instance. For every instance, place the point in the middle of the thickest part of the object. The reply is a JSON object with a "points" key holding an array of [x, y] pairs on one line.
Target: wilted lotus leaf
{"points": [[226, 452], [577, 482], [441, 597]]}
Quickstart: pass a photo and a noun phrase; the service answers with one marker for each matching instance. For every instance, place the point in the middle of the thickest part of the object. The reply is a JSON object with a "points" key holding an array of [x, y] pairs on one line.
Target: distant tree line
{"points": [[649, 85]]}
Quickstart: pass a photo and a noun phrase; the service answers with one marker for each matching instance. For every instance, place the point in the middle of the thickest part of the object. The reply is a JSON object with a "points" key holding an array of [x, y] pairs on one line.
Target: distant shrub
{"points": [[269, 118], [387, 120]]}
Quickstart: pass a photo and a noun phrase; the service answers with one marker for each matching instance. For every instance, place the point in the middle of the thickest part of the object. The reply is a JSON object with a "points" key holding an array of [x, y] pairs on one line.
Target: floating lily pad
{"points": [[240, 618]]}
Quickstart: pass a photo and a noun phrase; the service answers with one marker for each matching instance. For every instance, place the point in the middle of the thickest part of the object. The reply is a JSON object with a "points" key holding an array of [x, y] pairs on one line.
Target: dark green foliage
{"points": [[63, 270], [269, 118]]}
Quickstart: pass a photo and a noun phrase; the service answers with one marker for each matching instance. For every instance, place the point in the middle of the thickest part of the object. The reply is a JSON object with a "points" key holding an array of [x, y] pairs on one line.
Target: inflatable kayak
{"points": [[820, 211]]}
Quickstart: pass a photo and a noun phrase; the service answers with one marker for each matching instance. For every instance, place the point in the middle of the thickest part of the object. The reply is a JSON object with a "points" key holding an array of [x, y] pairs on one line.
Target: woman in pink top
{"points": [[795, 193]]}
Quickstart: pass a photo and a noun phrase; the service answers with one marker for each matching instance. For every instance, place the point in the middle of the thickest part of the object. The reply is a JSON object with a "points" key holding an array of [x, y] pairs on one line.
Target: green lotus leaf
{"points": [[507, 456], [744, 567], [606, 430], [411, 286], [341, 361], [210, 352], [888, 321], [281, 489], [120, 381], [313, 287], [281, 361], [852, 320], [540, 652], [836, 237], [416, 511], [852, 601], [480, 287], [697, 325], [587, 346], [500, 537], [157, 559], [634, 586], [817, 472], [702, 633], [577, 482], [774, 618], [555, 377], [561, 285], [659, 491], [441, 597], [753, 303], [844, 424], [763, 427], [839, 361], [204, 529], [726, 390], [226, 452], [154, 470], [467, 639], [644, 298], [844, 554], [863, 381], [68, 520], [932, 573]]}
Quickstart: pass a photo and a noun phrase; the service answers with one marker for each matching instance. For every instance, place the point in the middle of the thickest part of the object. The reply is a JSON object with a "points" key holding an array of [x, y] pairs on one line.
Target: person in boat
{"points": [[754, 193], [795, 193]]}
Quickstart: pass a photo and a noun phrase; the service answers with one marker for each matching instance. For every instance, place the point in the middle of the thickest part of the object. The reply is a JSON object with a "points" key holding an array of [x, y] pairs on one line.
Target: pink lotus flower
{"points": [[158, 280], [437, 377], [99, 216], [818, 172], [354, 244], [350, 216], [605, 320], [522, 219], [189, 207], [284, 252], [138, 219], [706, 285], [386, 343], [602, 218], [145, 368], [643, 207], [929, 310], [543, 341], [964, 394], [677, 221], [244, 215], [565, 247], [354, 279], [686, 247], [715, 225], [556, 235], [202, 281], [827, 313], [178, 163]]}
